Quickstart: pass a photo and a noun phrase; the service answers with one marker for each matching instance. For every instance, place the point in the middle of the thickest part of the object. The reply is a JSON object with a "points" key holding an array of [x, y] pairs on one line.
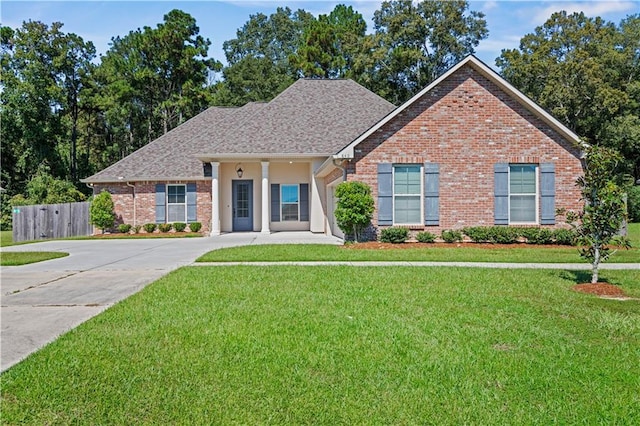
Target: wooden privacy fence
{"points": [[51, 221]]}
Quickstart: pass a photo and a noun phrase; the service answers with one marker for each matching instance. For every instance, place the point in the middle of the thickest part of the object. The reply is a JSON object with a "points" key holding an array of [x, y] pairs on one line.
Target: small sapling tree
{"points": [[355, 207], [604, 210], [101, 211]]}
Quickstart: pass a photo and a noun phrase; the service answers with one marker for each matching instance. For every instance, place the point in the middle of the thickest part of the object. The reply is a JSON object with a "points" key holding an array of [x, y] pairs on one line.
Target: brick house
{"points": [[467, 150]]}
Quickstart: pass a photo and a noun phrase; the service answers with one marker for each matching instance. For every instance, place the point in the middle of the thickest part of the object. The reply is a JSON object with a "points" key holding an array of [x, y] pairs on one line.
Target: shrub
{"points": [[195, 226], [537, 235], [149, 227], [354, 208], [478, 234], [136, 229], [633, 203], [179, 226], [503, 235], [425, 237], [394, 235], [164, 227], [124, 228], [451, 236], [101, 211], [565, 237]]}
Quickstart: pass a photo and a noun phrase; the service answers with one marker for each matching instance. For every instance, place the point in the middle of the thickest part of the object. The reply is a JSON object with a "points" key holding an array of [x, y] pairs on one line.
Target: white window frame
{"points": [[536, 195], [421, 194], [176, 204], [282, 203]]}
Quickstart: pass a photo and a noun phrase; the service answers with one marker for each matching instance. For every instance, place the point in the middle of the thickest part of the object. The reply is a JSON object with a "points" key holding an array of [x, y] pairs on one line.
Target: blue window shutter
{"points": [[161, 206], [547, 194], [275, 202], [501, 193], [431, 194], [385, 194], [304, 202], [191, 202]]}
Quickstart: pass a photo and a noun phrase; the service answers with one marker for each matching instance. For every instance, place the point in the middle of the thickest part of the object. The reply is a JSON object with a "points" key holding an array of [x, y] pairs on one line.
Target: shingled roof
{"points": [[310, 118]]}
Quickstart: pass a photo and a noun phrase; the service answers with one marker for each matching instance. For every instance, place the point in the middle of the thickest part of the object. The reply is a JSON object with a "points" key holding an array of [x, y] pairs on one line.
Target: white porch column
{"points": [[215, 199], [265, 197]]}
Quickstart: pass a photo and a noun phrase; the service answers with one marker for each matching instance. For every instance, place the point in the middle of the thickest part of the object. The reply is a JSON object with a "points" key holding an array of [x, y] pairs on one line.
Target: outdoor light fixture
{"points": [[239, 170]]}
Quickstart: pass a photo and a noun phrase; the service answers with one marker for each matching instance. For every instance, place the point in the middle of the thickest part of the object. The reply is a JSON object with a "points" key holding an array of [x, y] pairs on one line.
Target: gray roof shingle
{"points": [[311, 117]]}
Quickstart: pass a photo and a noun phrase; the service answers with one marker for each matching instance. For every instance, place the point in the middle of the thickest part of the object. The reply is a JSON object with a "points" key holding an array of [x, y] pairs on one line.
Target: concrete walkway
{"points": [[42, 300]]}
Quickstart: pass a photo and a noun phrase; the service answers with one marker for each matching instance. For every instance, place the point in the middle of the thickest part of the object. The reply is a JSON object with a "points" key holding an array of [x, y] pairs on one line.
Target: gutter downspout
{"points": [[340, 165], [134, 202]]}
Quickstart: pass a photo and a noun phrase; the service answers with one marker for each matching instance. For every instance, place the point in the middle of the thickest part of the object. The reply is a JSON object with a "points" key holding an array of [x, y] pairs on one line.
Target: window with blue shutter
{"points": [[191, 202], [161, 212], [275, 202], [304, 202], [385, 194], [547, 194], [431, 194], [501, 193]]}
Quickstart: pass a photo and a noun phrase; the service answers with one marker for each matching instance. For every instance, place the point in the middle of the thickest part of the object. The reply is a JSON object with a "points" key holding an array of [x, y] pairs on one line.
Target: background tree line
{"points": [[65, 113]]}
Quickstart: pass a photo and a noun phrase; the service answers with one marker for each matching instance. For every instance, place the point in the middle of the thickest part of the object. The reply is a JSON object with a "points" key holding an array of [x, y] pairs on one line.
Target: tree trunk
{"points": [[355, 233], [595, 264]]}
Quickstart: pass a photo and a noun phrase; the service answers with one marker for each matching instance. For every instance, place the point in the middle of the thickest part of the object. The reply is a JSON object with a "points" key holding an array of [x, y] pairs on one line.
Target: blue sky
{"points": [[98, 21]]}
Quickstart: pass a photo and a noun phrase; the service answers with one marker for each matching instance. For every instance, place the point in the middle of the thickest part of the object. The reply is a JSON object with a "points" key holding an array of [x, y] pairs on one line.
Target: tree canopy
{"points": [[586, 72], [67, 114]]}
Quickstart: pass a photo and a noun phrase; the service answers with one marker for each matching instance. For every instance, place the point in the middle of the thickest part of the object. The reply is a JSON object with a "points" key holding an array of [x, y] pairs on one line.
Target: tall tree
{"points": [[42, 69], [151, 80], [330, 43], [416, 42], [258, 58], [586, 72]]}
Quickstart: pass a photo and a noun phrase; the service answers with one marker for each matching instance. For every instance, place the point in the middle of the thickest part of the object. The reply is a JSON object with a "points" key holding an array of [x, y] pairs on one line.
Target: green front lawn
{"points": [[343, 345], [23, 258], [422, 253]]}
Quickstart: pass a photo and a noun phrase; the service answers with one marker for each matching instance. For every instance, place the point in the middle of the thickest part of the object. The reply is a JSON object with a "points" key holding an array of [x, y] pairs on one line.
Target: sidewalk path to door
{"points": [[41, 301]]}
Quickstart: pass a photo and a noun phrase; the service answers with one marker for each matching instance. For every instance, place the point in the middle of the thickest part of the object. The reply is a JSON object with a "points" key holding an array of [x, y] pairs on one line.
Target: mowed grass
{"points": [[425, 253], [24, 258], [422, 253], [343, 345]]}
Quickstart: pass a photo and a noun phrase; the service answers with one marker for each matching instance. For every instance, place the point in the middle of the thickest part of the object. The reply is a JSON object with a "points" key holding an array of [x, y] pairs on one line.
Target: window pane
{"points": [[176, 213], [289, 212], [175, 194], [522, 179], [523, 208], [289, 193], [407, 210], [406, 180]]}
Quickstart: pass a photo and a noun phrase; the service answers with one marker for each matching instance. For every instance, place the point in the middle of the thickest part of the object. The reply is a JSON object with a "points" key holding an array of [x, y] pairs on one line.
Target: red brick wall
{"points": [[467, 124], [145, 202]]}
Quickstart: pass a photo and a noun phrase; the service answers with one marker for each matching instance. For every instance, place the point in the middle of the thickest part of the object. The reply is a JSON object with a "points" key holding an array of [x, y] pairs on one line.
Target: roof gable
{"points": [[491, 75]]}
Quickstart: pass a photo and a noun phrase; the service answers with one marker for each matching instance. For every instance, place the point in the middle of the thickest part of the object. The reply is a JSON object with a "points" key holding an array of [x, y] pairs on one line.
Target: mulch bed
{"points": [[600, 289], [147, 235]]}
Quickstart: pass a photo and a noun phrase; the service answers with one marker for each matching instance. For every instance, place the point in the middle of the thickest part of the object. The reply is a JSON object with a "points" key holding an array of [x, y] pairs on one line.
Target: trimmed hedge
{"points": [[425, 237], [195, 226], [149, 227], [451, 236], [394, 235], [164, 227], [179, 226], [124, 228], [514, 234]]}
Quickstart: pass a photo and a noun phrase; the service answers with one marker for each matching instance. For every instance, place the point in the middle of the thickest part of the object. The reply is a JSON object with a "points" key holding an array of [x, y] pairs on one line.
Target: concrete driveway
{"points": [[41, 301]]}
